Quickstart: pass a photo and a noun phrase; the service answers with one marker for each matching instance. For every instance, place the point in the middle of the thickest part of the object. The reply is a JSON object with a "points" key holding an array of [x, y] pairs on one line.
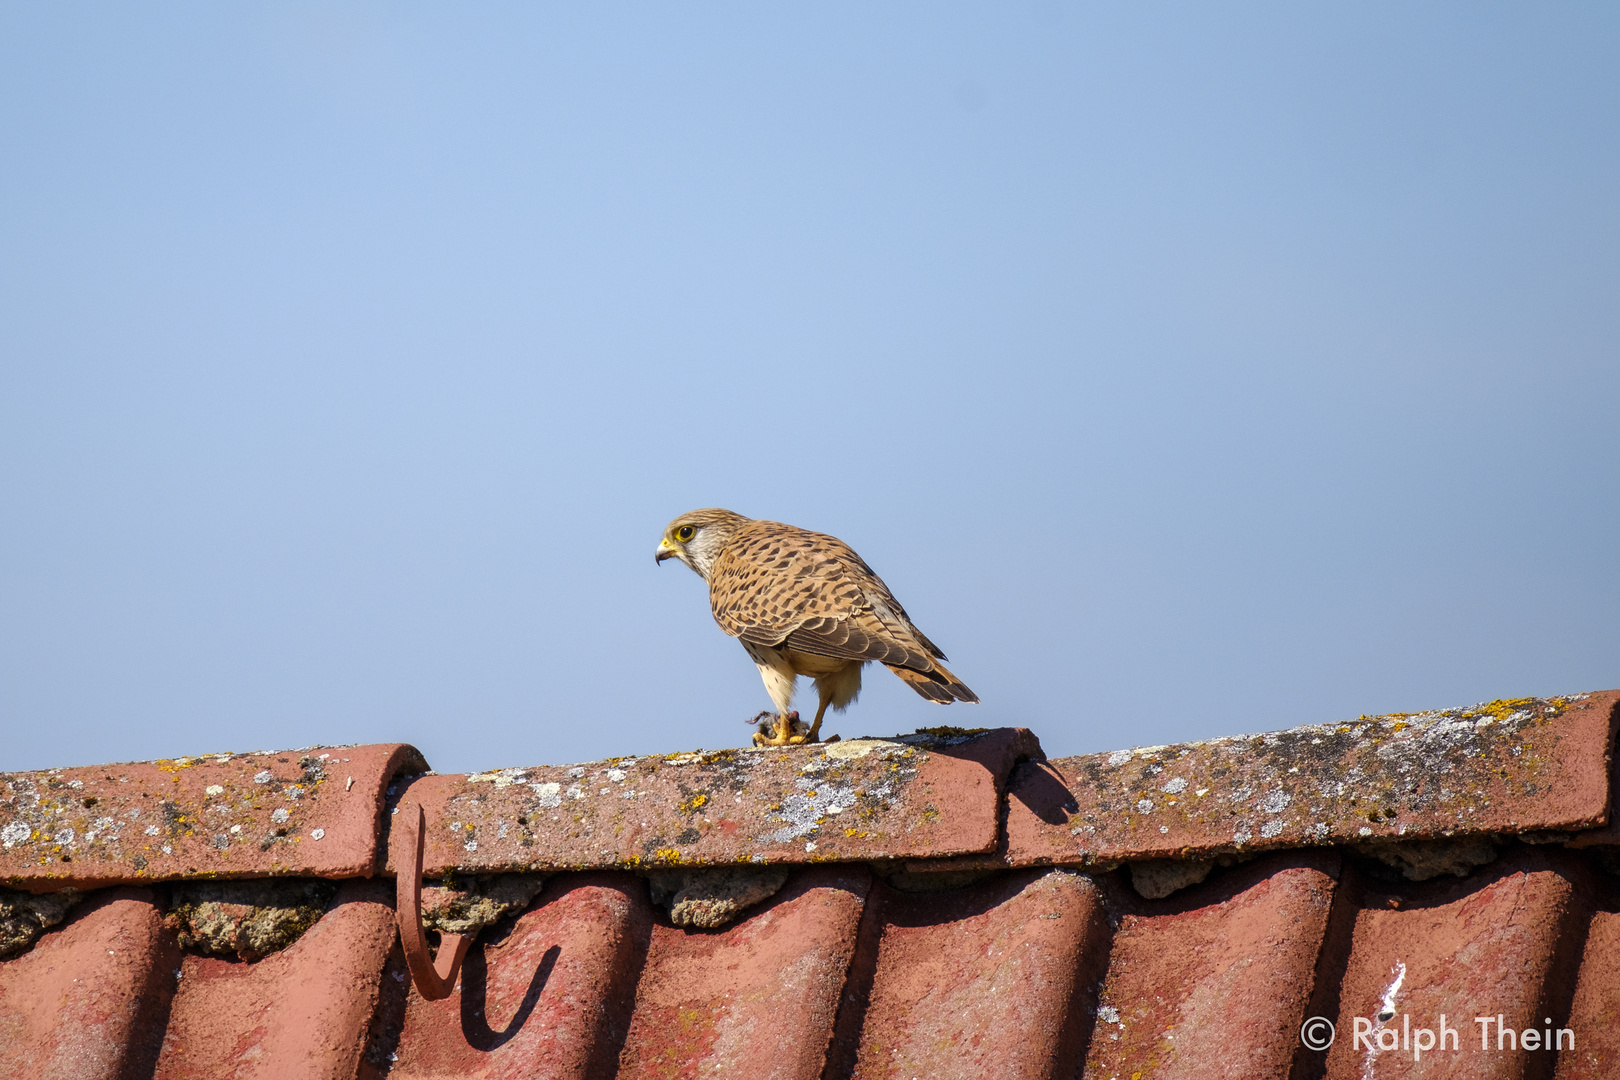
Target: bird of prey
{"points": [[803, 603]]}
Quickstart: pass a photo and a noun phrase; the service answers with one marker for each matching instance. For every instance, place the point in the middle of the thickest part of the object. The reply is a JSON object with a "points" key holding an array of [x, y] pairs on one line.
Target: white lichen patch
{"points": [[804, 810], [1174, 787], [499, 777], [853, 749]]}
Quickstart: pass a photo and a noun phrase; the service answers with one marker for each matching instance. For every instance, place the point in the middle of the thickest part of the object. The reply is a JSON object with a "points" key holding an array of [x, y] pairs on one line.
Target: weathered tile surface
{"points": [[1503, 767], [988, 969], [855, 800], [311, 813]]}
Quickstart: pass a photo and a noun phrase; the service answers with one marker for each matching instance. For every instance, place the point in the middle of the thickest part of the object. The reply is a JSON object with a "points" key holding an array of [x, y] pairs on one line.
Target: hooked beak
{"points": [[666, 550]]}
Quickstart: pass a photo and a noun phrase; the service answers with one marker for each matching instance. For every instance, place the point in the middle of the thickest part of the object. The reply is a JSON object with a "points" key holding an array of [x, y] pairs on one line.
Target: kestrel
{"points": [[803, 603]]}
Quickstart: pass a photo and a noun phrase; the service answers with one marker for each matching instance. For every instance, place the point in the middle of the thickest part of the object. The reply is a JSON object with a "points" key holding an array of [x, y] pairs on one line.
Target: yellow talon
{"points": [[780, 730]]}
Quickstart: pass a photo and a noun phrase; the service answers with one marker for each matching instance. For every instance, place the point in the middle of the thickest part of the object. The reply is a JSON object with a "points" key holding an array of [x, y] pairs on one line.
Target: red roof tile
{"points": [[926, 947], [1594, 1009], [856, 800], [313, 812], [303, 1013], [90, 1001], [988, 980], [1501, 943], [1512, 766], [550, 997], [756, 999], [1215, 982]]}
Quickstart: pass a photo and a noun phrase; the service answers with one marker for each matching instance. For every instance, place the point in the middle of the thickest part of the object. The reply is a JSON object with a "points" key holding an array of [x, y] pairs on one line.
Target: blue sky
{"points": [[1185, 370]]}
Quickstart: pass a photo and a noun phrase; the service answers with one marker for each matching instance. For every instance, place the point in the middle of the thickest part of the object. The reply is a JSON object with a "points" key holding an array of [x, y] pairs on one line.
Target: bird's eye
{"points": [[685, 533]]}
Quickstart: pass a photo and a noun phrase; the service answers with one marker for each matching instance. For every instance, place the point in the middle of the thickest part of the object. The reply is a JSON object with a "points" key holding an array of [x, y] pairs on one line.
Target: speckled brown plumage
{"points": [[804, 603]]}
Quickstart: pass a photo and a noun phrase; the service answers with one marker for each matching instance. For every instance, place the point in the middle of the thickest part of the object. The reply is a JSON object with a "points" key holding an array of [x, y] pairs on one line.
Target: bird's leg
{"points": [[779, 679], [782, 732], [815, 728], [836, 689]]}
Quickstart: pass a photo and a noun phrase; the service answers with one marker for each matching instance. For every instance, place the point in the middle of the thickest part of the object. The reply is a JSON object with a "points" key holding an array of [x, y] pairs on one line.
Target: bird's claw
{"points": [[778, 733]]}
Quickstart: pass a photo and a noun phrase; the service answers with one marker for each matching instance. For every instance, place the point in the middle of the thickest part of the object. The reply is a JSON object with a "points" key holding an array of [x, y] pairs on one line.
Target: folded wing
{"points": [[783, 587]]}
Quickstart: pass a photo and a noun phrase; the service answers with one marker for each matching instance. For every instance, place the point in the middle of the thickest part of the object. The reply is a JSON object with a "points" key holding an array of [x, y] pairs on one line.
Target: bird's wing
{"points": [[780, 586]]}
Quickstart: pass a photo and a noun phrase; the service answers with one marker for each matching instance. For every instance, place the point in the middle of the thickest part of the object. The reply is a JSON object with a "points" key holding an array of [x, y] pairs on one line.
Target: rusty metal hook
{"points": [[433, 981]]}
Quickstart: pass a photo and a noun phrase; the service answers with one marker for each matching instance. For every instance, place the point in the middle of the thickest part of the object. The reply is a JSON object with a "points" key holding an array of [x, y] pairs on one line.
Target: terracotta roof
{"points": [[946, 904]]}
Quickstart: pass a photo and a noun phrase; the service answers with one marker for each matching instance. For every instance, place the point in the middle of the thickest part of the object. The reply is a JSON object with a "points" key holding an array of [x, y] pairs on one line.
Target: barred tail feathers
{"points": [[936, 684]]}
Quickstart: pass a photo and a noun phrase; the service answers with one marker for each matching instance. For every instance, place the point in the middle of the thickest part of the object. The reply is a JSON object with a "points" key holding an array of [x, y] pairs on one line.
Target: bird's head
{"points": [[696, 538]]}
